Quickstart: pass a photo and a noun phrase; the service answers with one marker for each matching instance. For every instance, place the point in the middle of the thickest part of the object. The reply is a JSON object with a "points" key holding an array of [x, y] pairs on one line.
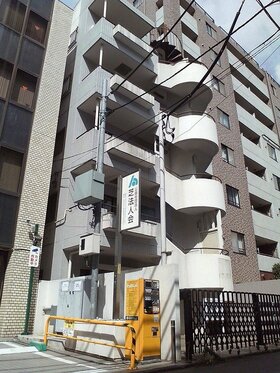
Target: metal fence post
{"points": [[258, 321], [188, 323], [173, 341]]}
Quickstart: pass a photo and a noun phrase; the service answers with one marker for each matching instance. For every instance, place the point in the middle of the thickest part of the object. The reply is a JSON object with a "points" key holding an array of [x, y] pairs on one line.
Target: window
{"points": [[5, 77], [12, 14], [218, 85], [238, 242], [223, 118], [210, 31], [272, 152], [24, 89], [232, 196], [213, 56], [276, 181], [10, 169], [36, 27], [227, 154], [137, 3]]}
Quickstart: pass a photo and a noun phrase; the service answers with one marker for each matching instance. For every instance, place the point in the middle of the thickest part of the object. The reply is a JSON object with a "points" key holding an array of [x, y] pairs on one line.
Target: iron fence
{"points": [[229, 320]]}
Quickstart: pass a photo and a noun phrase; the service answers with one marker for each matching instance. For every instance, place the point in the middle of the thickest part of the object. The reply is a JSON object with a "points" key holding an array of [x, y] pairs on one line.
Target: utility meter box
{"points": [[142, 310], [89, 244], [89, 188], [73, 300]]}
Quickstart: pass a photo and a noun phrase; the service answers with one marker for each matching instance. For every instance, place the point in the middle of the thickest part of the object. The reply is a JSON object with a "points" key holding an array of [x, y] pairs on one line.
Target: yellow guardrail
{"points": [[123, 324]]}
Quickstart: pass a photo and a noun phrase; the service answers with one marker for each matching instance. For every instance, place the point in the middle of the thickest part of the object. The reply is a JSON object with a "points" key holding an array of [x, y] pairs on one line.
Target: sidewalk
{"points": [[152, 366]]}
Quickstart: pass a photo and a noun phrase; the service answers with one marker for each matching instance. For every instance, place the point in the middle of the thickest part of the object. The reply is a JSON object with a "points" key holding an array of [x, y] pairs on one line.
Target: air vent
{"points": [[123, 69]]}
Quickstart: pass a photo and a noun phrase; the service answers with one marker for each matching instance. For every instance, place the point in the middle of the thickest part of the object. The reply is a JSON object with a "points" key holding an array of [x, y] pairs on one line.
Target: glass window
{"points": [[17, 127], [43, 8], [227, 154], [211, 31], [24, 89], [218, 85], [5, 77], [223, 118], [10, 169], [272, 152], [213, 56], [276, 181], [36, 27], [12, 14], [232, 196], [8, 44], [273, 90], [238, 242], [8, 216], [31, 57]]}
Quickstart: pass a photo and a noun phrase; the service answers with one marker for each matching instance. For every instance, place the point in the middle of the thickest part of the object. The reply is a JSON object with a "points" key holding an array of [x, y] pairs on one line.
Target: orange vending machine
{"points": [[143, 312]]}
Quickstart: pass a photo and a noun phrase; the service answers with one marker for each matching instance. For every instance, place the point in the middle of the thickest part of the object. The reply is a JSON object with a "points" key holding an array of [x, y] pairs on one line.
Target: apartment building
{"points": [[33, 48], [221, 176]]}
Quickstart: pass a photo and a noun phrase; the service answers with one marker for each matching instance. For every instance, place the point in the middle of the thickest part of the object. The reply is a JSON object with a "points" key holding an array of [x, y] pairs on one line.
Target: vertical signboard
{"points": [[130, 202]]}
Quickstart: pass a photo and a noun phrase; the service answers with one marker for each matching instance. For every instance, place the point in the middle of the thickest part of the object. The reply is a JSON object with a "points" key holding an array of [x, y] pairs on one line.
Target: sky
{"points": [[251, 35]]}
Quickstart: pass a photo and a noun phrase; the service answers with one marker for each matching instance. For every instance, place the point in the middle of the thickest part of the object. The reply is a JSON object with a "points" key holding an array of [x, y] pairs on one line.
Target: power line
{"points": [[187, 98], [239, 62], [154, 48], [191, 62]]}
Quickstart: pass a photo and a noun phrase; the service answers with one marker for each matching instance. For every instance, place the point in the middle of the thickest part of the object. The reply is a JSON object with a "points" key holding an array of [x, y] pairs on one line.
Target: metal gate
{"points": [[227, 320]]}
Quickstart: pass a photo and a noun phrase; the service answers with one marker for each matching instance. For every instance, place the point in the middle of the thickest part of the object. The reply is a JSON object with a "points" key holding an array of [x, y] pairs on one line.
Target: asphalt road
{"points": [[263, 363]]}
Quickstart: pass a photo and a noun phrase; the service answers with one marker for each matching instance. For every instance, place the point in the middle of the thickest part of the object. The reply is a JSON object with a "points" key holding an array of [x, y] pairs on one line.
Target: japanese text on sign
{"points": [[130, 204]]}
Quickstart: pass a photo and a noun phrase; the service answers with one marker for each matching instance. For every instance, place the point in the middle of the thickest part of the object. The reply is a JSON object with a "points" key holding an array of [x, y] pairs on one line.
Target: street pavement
{"points": [[17, 358]]}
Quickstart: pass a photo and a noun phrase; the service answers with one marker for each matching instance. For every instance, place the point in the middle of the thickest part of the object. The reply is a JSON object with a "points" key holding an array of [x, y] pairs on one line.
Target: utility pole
{"points": [[35, 240], [97, 207], [162, 194]]}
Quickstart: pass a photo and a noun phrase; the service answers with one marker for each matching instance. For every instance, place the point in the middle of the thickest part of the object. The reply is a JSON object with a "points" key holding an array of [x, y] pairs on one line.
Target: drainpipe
{"points": [[162, 196]]}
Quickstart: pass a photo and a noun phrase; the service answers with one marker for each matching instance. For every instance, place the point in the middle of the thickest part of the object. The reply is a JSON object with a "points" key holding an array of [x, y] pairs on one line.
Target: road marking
{"points": [[17, 350], [66, 361], [11, 344]]}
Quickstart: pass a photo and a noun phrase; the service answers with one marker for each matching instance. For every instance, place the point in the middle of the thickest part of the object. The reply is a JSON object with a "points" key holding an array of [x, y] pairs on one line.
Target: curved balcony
{"points": [[202, 268], [182, 83], [197, 134], [194, 194]]}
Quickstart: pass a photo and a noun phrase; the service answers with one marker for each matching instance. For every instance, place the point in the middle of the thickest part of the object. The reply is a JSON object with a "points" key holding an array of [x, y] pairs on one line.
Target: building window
{"points": [[10, 170], [137, 3], [24, 89], [238, 242], [211, 31], [232, 196], [213, 56], [276, 181], [218, 85], [227, 154], [5, 77], [223, 118], [272, 152], [36, 27], [274, 90], [12, 14]]}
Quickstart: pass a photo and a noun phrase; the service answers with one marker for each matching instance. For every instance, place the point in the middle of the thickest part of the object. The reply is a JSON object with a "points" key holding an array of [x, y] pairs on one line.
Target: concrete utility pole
{"points": [[97, 208], [162, 194]]}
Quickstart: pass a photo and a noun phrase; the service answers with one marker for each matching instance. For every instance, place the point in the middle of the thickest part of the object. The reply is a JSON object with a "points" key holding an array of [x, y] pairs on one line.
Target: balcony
{"points": [[124, 13], [122, 51], [251, 102], [249, 76], [202, 270], [182, 83], [148, 229], [197, 134], [252, 150], [251, 122], [266, 262], [265, 226], [129, 152], [190, 47], [194, 194], [189, 22]]}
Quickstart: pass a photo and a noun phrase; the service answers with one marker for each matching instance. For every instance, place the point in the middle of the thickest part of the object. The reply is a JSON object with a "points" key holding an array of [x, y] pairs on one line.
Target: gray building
{"points": [[221, 169], [33, 47]]}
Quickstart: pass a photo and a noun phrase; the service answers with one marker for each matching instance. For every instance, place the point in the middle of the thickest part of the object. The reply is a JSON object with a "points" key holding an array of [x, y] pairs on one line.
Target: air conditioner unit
{"points": [[89, 244]]}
